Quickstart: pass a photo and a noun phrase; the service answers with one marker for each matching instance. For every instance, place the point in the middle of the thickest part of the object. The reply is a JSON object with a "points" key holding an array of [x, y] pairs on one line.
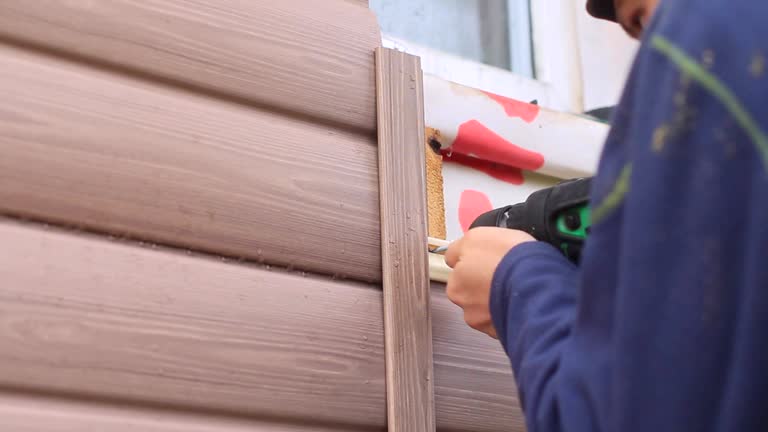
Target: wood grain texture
{"points": [[104, 319], [82, 315], [474, 386], [121, 155], [402, 189], [303, 56], [25, 413]]}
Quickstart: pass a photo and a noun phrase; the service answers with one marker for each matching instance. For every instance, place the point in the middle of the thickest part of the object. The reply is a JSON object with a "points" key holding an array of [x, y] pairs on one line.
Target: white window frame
{"points": [[556, 59]]}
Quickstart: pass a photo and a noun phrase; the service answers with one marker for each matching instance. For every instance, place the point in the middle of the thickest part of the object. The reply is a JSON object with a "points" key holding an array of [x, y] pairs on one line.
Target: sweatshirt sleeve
{"points": [[662, 326], [533, 303]]}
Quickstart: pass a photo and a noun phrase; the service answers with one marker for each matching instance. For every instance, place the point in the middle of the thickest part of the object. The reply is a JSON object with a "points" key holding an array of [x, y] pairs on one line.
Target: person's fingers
{"points": [[472, 320], [453, 286], [453, 253], [480, 321]]}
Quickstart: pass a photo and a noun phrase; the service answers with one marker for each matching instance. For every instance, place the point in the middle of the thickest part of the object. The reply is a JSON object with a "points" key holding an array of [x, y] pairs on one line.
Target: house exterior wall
{"points": [[606, 56], [210, 171]]}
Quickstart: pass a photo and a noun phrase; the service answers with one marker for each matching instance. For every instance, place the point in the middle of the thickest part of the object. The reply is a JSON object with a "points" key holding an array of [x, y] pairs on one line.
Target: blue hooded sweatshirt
{"points": [[664, 325]]}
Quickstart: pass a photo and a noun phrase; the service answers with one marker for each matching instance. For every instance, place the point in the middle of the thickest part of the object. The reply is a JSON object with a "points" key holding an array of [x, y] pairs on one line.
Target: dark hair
{"points": [[602, 9]]}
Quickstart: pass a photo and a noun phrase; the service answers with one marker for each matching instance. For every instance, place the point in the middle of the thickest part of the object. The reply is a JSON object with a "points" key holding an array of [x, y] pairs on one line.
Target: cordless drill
{"points": [[558, 215]]}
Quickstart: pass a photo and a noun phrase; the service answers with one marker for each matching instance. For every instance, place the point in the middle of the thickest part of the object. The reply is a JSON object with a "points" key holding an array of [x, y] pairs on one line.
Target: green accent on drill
{"points": [[718, 89], [615, 197], [581, 232]]}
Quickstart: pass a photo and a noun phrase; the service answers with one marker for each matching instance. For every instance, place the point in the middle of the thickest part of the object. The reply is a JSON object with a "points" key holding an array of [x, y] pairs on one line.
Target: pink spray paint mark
{"points": [[500, 172], [472, 204], [491, 153], [515, 108]]}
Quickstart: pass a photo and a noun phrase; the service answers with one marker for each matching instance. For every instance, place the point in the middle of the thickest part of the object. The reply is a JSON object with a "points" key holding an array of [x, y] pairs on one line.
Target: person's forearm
{"points": [[533, 305]]}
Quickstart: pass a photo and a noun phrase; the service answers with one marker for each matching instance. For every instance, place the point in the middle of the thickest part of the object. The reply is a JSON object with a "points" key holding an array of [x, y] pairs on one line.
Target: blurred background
{"points": [[499, 41]]}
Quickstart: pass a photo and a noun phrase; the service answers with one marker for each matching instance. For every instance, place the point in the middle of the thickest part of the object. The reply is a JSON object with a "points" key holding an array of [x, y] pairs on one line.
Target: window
{"points": [[523, 49], [491, 32]]}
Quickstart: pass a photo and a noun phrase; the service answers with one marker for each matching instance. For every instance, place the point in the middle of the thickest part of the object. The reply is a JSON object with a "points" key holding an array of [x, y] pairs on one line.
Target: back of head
{"points": [[602, 9], [632, 15]]}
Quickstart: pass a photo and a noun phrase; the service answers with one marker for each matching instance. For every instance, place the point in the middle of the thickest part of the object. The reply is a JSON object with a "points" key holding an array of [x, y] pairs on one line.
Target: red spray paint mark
{"points": [[472, 204], [501, 172], [515, 108], [491, 153], [479, 141]]}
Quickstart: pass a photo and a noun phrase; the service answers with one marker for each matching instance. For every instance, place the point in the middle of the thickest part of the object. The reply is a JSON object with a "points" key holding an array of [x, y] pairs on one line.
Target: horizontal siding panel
{"points": [[83, 315], [106, 319], [474, 387], [115, 154], [24, 413], [305, 56]]}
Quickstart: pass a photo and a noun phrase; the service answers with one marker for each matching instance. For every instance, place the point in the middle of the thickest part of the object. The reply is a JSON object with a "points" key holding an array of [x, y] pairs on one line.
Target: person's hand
{"points": [[474, 259]]}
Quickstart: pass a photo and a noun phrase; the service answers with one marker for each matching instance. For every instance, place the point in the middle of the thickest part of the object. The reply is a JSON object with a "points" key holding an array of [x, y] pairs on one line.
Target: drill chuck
{"points": [[558, 215]]}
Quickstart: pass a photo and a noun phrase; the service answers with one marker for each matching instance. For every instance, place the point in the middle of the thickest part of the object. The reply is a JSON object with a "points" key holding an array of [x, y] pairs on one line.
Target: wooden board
{"points": [[294, 55], [402, 188], [103, 319], [120, 155], [27, 413]]}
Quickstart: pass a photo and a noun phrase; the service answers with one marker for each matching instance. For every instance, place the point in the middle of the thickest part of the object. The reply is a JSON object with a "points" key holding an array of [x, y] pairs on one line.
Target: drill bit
{"points": [[439, 250]]}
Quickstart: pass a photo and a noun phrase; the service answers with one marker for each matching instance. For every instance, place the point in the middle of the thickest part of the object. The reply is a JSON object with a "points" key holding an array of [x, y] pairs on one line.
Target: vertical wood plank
{"points": [[402, 189]]}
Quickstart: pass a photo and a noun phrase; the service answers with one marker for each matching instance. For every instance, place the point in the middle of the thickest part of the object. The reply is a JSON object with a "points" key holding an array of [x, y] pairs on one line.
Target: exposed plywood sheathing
{"points": [[435, 199], [290, 55], [120, 155], [81, 315], [402, 189]]}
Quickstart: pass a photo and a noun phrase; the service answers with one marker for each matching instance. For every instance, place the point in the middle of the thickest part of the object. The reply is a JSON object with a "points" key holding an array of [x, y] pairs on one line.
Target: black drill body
{"points": [[558, 215]]}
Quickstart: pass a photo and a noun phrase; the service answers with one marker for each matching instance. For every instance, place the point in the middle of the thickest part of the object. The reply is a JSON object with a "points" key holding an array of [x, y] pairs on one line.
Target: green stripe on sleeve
{"points": [[718, 90]]}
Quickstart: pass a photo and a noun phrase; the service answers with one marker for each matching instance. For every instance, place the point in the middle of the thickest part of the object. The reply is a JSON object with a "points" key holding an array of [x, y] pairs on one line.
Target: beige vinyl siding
{"points": [[301, 57], [109, 320], [28, 413], [85, 316], [123, 155], [234, 144]]}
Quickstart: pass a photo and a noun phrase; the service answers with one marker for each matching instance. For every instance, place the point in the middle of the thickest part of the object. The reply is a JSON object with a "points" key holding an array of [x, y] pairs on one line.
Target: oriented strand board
{"points": [[435, 198], [27, 413], [402, 188], [90, 317], [103, 319], [110, 153], [302, 56]]}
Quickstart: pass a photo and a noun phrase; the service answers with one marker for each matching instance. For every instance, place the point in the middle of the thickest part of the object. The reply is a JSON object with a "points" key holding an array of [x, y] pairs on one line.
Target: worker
{"points": [[663, 325]]}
